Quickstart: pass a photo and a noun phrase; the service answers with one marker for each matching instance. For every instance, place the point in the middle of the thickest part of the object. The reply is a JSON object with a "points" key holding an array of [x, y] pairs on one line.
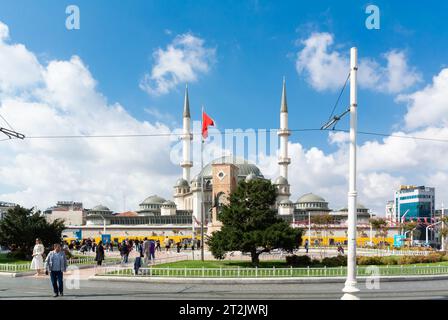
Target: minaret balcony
{"points": [[186, 164], [284, 160], [283, 132]]}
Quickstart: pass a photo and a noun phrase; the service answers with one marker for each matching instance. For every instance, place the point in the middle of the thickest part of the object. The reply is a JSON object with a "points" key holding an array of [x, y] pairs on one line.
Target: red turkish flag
{"points": [[206, 122]]}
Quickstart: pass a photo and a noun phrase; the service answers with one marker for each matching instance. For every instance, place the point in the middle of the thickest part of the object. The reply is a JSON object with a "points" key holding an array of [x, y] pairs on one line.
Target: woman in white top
{"points": [[38, 261]]}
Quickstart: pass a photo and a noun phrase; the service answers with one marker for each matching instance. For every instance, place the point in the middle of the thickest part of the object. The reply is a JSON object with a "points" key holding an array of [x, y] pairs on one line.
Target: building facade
{"points": [[414, 203], [72, 213]]}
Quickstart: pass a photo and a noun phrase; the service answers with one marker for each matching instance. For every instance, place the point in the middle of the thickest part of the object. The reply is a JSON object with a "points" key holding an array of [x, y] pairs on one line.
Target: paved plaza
{"points": [[39, 288]]}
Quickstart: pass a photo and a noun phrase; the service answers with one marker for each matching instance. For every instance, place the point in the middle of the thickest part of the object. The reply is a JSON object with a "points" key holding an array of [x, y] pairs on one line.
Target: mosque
{"points": [[218, 178]]}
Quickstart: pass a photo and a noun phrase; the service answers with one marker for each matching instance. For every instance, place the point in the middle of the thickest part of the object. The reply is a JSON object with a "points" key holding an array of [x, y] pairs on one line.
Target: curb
{"points": [[285, 280], [16, 274], [30, 273]]}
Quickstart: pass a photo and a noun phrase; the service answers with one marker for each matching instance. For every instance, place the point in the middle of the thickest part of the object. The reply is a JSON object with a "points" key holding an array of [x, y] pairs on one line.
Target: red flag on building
{"points": [[206, 122]]}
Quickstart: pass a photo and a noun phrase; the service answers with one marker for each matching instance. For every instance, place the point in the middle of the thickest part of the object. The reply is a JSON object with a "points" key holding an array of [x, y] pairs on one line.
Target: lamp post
{"points": [[104, 223], [371, 228], [443, 228], [430, 227], [309, 229], [350, 284]]}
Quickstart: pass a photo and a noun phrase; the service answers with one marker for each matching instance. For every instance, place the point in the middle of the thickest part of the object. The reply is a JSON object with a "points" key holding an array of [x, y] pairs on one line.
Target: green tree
{"points": [[20, 227], [250, 224], [381, 227]]}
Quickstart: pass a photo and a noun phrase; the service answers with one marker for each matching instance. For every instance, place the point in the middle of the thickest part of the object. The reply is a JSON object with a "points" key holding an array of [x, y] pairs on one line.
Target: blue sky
{"points": [[245, 48], [255, 42]]}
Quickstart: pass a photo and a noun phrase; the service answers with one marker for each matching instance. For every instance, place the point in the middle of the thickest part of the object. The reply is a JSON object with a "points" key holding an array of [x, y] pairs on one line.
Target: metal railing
{"points": [[272, 272], [24, 267], [393, 252], [13, 268]]}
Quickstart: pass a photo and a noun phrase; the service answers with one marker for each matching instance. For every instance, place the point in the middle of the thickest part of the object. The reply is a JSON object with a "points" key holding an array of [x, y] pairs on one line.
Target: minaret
{"points": [[186, 163], [284, 133]]}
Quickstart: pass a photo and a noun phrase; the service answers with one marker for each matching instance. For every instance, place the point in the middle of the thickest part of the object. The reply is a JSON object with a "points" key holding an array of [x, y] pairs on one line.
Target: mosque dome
{"points": [[181, 183], [281, 181], [245, 168], [100, 208], [312, 202], [154, 199], [169, 203], [310, 197]]}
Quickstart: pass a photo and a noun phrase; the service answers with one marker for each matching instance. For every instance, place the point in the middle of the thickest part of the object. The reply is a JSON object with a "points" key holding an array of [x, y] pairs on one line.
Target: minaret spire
{"points": [[186, 103], [284, 133], [284, 104], [187, 137]]}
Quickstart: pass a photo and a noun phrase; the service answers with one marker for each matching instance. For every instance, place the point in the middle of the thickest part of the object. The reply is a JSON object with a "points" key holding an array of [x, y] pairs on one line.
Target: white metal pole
{"points": [[309, 229], [202, 190], [443, 227], [350, 284]]}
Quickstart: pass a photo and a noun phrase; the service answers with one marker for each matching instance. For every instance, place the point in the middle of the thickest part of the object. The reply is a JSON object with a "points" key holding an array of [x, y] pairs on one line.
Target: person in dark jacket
{"points": [[124, 251], [99, 257]]}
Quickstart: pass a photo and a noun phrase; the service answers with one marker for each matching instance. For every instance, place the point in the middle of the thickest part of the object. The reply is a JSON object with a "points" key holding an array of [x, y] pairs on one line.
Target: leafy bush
{"points": [[298, 261], [368, 261], [337, 261], [18, 255]]}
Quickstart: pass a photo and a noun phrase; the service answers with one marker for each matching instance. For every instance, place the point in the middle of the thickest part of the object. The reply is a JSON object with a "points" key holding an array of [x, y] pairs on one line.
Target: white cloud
{"points": [[428, 106], [63, 100], [183, 60], [19, 68], [327, 68]]}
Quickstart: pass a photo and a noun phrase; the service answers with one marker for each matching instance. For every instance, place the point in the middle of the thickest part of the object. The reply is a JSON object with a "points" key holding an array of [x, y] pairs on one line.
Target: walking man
{"points": [[146, 246], [56, 265]]}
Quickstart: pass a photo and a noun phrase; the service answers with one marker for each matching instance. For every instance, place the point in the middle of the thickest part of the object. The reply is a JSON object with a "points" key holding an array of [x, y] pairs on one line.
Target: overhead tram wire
{"points": [[227, 133], [339, 97]]}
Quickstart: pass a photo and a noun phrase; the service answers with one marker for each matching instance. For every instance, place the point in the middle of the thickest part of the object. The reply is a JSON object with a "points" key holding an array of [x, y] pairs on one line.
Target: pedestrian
{"points": [[178, 246], [152, 251], [167, 244], [306, 246], [146, 247], [56, 265], [124, 251], [185, 244], [158, 248], [138, 262], [99, 256], [38, 261]]}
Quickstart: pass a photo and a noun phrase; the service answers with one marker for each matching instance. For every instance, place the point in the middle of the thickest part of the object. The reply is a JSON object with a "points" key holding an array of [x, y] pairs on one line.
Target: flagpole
{"points": [[193, 236], [202, 188]]}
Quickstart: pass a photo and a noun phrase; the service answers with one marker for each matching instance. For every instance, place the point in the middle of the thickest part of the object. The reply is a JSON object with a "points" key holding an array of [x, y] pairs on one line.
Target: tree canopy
{"points": [[250, 223], [20, 227]]}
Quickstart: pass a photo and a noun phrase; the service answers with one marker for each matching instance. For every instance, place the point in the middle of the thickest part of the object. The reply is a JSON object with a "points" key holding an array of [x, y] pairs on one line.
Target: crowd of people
{"points": [[142, 253]]}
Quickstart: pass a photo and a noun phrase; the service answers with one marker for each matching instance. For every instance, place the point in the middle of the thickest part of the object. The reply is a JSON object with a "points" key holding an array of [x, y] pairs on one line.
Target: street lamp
{"points": [[371, 228], [350, 284], [443, 227], [430, 227], [104, 223], [309, 229], [350, 288]]}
